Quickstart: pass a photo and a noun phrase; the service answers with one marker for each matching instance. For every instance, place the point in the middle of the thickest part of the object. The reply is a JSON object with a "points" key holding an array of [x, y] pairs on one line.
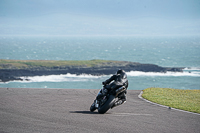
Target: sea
{"points": [[165, 51]]}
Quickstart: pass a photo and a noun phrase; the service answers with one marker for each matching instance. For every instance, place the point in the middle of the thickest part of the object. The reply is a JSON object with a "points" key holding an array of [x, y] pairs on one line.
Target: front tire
{"points": [[108, 104], [92, 108]]}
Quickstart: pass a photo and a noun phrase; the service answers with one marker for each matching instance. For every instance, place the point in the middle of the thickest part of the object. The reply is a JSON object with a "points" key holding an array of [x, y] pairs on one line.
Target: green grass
{"points": [[188, 100], [19, 64]]}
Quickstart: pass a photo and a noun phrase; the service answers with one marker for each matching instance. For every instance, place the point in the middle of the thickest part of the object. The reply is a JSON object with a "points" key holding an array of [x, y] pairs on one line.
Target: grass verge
{"points": [[188, 100], [20, 64]]}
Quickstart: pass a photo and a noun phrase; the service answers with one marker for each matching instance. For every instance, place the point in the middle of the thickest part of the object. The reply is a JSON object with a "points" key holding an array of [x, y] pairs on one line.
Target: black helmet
{"points": [[120, 71]]}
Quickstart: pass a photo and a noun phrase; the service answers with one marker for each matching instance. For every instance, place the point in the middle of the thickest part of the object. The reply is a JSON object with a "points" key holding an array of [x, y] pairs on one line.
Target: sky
{"points": [[100, 17]]}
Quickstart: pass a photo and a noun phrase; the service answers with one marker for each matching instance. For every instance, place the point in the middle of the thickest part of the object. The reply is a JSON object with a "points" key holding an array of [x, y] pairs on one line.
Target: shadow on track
{"points": [[83, 112]]}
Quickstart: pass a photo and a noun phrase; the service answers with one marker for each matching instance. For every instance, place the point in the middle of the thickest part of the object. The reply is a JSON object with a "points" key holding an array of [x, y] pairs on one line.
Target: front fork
{"points": [[101, 94], [97, 103]]}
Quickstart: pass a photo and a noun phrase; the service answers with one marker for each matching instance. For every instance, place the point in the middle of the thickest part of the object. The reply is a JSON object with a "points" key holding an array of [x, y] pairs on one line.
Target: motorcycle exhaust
{"points": [[121, 89]]}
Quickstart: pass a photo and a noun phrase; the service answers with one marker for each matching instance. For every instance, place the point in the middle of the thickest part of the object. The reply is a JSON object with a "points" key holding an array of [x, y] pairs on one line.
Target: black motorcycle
{"points": [[105, 100]]}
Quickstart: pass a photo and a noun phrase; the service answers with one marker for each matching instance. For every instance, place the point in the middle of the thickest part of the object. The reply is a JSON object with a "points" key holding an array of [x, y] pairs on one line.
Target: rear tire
{"points": [[109, 103]]}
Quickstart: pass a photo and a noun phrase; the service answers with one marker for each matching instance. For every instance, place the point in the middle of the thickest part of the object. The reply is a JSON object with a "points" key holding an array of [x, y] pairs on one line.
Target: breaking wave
{"points": [[87, 77], [174, 74], [60, 78]]}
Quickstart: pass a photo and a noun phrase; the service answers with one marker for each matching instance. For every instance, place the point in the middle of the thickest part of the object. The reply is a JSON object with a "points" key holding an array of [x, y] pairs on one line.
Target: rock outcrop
{"points": [[99, 69]]}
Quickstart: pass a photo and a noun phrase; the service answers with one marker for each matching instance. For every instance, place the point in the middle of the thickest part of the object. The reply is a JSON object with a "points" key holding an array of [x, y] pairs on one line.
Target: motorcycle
{"points": [[106, 99]]}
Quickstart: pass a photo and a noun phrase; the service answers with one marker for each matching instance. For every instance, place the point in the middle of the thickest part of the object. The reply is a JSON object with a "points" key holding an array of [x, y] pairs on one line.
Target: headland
{"points": [[14, 69]]}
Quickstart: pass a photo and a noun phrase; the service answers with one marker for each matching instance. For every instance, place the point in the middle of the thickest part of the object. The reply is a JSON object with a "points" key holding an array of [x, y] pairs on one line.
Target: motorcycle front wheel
{"points": [[92, 108], [107, 105]]}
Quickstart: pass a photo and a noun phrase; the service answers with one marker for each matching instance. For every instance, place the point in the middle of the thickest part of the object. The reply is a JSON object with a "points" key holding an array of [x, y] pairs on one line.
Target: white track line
{"points": [[140, 96], [129, 114]]}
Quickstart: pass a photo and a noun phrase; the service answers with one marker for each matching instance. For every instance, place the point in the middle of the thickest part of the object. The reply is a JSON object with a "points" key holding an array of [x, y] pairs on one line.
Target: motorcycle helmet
{"points": [[120, 71]]}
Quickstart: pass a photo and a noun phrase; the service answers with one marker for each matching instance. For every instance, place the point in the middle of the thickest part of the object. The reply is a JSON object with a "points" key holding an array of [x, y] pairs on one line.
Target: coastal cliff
{"points": [[14, 69]]}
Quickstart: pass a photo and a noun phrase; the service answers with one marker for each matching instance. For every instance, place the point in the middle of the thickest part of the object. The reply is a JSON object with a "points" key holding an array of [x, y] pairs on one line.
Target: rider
{"points": [[114, 82]]}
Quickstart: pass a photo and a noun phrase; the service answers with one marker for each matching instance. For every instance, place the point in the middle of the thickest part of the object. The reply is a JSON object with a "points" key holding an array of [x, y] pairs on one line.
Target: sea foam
{"points": [[60, 78], [87, 77], [176, 74]]}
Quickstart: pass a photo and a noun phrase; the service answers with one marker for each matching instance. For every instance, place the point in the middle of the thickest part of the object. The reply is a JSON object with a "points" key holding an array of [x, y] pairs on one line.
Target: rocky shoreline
{"points": [[99, 69]]}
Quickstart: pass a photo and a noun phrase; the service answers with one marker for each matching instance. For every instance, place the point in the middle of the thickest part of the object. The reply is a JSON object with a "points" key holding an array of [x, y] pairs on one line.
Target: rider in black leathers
{"points": [[114, 82]]}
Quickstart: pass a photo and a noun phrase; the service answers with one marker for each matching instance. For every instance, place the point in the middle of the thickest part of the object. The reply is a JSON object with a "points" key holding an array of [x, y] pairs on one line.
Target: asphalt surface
{"points": [[67, 110]]}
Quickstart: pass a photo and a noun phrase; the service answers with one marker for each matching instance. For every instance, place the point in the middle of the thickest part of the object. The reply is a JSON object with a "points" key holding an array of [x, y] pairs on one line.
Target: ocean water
{"points": [[162, 51]]}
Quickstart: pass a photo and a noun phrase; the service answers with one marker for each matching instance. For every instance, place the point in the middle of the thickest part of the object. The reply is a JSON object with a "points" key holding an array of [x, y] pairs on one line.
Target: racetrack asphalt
{"points": [[26, 110]]}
